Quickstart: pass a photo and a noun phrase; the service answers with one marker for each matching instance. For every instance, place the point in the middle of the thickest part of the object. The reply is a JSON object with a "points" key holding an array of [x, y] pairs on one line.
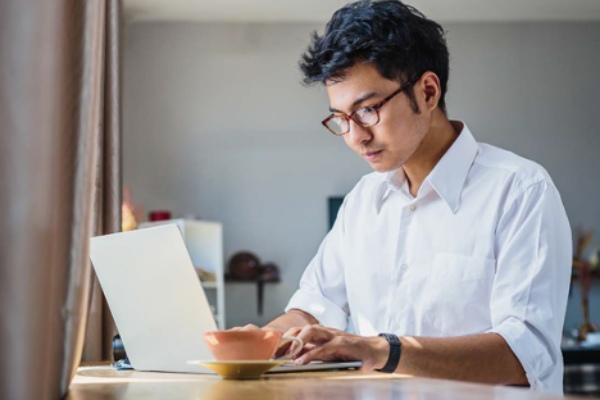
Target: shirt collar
{"points": [[391, 182], [450, 173], [447, 177]]}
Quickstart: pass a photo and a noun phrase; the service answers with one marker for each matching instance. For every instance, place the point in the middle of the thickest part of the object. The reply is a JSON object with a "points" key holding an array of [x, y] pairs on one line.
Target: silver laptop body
{"points": [[155, 297]]}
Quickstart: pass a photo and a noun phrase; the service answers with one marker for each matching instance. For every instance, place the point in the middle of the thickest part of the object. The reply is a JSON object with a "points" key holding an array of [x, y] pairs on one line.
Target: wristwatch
{"points": [[395, 351]]}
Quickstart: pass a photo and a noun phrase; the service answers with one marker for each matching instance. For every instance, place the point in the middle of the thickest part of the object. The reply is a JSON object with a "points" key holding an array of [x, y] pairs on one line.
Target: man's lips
{"points": [[371, 155]]}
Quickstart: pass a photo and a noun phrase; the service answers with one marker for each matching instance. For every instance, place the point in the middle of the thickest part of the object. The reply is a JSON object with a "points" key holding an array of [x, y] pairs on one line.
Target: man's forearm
{"points": [[484, 358], [292, 319]]}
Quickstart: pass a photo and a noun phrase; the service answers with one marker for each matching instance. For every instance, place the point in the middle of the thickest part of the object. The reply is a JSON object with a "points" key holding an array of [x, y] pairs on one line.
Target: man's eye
{"points": [[368, 110]]}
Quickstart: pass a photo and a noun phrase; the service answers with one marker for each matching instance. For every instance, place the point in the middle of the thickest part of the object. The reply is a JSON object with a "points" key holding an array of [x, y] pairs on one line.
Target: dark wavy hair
{"points": [[398, 39]]}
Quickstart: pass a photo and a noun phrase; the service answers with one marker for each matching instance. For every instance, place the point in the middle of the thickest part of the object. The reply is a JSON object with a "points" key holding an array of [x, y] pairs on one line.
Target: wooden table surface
{"points": [[103, 382]]}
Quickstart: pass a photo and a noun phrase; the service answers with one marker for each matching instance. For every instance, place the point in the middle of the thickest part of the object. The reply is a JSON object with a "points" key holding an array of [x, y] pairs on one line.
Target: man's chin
{"points": [[383, 167]]}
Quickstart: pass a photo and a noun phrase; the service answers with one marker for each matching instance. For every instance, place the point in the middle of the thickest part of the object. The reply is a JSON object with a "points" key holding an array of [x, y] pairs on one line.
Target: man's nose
{"points": [[359, 134]]}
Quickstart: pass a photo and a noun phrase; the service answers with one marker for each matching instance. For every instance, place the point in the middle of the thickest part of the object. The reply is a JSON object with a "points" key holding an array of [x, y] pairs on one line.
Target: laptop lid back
{"points": [[155, 297]]}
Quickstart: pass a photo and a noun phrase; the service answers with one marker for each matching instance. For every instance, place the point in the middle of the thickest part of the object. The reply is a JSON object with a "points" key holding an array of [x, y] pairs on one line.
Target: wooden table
{"points": [[103, 382]]}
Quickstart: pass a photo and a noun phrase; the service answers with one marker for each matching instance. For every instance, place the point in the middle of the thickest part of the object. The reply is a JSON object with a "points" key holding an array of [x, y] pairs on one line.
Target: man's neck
{"points": [[437, 141]]}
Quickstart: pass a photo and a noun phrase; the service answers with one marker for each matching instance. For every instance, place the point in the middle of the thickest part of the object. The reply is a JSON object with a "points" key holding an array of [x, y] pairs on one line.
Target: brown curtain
{"points": [[108, 186], [59, 183]]}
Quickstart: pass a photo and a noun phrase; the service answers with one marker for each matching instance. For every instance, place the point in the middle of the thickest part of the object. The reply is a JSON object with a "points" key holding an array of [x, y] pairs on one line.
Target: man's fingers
{"points": [[293, 331], [329, 351], [307, 347], [341, 348], [249, 327], [286, 347], [283, 349], [307, 334], [316, 334]]}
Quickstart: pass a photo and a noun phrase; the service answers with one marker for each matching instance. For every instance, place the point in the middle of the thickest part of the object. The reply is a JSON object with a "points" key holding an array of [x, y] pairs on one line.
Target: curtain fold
{"points": [[108, 184], [60, 169]]}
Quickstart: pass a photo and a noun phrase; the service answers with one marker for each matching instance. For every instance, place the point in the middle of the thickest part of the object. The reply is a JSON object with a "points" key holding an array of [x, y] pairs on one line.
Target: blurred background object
{"points": [[270, 272], [159, 215], [584, 271], [246, 267], [131, 214], [243, 266]]}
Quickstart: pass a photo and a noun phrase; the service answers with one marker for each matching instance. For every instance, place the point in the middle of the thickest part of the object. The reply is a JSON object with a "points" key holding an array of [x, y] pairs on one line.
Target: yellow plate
{"points": [[239, 369]]}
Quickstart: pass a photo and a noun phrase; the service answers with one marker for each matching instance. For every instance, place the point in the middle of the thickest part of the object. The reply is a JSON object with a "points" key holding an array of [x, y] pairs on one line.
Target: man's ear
{"points": [[432, 90]]}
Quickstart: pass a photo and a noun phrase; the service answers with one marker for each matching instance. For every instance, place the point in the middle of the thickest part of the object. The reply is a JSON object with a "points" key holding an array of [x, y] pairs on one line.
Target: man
{"points": [[457, 252]]}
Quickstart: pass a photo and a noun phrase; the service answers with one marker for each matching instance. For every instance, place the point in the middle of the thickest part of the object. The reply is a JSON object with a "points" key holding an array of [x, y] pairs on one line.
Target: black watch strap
{"points": [[395, 351]]}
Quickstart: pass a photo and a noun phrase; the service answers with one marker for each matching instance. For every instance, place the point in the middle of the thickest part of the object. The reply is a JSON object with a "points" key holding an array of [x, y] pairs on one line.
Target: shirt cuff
{"points": [[528, 348], [323, 309]]}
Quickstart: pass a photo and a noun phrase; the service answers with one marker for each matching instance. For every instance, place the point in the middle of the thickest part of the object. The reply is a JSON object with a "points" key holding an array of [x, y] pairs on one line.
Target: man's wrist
{"points": [[381, 350], [394, 352]]}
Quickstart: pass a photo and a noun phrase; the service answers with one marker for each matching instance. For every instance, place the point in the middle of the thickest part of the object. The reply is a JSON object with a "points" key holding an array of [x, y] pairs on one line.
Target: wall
{"points": [[217, 124]]}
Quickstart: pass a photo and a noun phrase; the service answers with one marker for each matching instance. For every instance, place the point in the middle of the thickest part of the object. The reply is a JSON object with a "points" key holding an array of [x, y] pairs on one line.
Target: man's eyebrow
{"points": [[362, 98]]}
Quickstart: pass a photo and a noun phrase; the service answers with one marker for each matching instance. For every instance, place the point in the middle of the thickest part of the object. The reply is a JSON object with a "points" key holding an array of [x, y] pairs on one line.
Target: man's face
{"points": [[389, 144]]}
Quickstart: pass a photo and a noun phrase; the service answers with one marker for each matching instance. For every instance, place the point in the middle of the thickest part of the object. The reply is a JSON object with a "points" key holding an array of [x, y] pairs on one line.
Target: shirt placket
{"points": [[398, 301]]}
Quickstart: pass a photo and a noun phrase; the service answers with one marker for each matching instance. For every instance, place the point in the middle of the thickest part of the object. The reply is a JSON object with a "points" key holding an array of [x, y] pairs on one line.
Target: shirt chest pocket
{"points": [[458, 294]]}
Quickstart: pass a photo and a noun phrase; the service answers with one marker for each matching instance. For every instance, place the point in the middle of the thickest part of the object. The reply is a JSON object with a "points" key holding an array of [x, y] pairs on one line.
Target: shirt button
{"points": [[413, 207], [404, 267]]}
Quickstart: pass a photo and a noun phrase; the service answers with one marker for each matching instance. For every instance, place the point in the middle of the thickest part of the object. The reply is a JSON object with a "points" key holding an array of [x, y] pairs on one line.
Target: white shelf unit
{"points": [[209, 285], [204, 241]]}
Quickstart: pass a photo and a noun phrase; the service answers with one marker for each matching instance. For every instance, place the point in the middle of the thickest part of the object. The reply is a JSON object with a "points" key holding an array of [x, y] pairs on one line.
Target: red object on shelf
{"points": [[244, 266], [160, 215]]}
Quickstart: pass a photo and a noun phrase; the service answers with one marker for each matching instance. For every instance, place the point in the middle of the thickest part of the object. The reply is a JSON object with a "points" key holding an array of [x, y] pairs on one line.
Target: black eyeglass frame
{"points": [[375, 107]]}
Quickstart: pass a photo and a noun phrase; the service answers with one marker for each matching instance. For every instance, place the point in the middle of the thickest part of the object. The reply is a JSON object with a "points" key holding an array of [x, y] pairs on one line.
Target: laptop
{"points": [[158, 304]]}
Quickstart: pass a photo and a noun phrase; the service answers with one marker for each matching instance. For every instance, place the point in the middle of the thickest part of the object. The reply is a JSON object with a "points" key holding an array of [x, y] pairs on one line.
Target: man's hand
{"points": [[328, 344], [284, 323]]}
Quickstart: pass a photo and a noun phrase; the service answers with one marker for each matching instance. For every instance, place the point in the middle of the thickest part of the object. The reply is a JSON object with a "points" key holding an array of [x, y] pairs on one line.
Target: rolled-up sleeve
{"points": [[322, 291], [530, 289]]}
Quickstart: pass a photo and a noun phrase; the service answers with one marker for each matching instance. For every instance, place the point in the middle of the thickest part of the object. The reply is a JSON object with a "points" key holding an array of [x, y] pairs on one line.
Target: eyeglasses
{"points": [[339, 125]]}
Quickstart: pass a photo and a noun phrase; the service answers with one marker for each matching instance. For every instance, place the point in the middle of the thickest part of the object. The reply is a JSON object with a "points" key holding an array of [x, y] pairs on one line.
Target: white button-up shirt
{"points": [[485, 246]]}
